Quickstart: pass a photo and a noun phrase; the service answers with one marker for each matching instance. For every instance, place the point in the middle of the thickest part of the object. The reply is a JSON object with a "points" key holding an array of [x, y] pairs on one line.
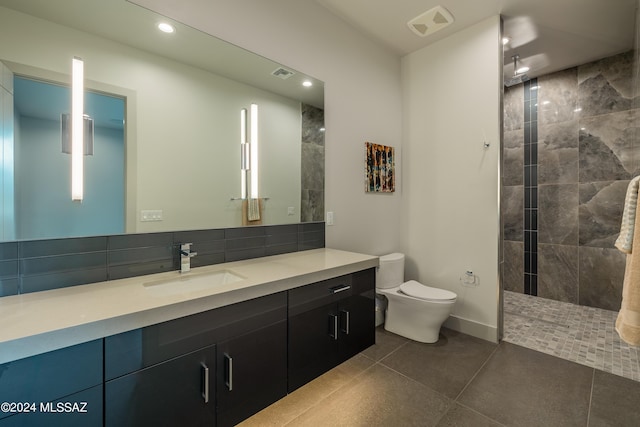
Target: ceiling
{"points": [[548, 35]]}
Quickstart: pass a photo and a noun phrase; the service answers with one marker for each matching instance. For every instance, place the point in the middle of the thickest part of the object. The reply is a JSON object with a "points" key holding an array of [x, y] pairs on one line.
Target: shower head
{"points": [[517, 77]]}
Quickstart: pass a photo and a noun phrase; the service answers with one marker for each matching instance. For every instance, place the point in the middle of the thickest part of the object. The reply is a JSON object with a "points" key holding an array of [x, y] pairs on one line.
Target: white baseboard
{"points": [[470, 327]]}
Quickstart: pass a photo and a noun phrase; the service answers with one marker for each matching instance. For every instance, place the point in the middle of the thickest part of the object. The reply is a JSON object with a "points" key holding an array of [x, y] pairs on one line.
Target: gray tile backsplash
{"points": [[39, 265]]}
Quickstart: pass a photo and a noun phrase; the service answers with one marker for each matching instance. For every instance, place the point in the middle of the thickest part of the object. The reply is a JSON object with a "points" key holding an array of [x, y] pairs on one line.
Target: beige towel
{"points": [[628, 322], [252, 208], [624, 242]]}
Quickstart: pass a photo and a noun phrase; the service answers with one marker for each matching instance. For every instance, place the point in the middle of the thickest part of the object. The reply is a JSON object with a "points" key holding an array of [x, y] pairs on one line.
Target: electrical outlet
{"points": [[329, 218], [151, 215], [291, 210]]}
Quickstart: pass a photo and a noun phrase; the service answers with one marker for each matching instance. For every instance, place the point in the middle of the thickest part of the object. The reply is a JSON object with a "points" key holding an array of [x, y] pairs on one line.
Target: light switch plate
{"points": [[151, 215]]}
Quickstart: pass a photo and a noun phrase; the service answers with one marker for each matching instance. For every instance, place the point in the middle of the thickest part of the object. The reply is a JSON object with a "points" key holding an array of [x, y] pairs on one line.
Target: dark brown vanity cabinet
{"points": [[329, 322], [175, 373], [58, 388]]}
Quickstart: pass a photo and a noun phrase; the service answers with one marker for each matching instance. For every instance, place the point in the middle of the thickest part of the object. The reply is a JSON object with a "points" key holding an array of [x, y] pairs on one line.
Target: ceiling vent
{"points": [[431, 21], [282, 73]]}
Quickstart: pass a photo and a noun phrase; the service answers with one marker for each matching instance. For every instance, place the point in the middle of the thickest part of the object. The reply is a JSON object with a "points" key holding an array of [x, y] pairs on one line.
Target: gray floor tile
{"points": [[520, 387], [386, 343], [459, 416], [446, 366], [379, 397], [614, 401]]}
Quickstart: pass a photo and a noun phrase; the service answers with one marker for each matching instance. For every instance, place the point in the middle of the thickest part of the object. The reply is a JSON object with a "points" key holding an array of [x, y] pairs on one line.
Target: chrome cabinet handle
{"points": [[333, 326], [229, 371], [205, 383], [347, 321], [339, 288]]}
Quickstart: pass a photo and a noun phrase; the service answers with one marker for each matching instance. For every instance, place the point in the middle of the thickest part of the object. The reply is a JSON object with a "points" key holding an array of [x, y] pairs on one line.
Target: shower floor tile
{"points": [[584, 335]]}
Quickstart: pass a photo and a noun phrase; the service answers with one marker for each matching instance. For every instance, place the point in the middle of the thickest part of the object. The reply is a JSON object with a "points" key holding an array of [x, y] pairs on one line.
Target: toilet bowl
{"points": [[414, 310]]}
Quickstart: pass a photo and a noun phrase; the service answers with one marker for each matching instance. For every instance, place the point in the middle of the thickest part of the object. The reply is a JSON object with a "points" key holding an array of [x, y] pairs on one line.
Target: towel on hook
{"points": [[624, 242], [628, 321]]}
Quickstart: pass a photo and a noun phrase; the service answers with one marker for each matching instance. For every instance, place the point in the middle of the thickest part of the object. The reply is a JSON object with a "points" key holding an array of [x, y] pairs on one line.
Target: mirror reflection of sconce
{"points": [[249, 153], [77, 129]]}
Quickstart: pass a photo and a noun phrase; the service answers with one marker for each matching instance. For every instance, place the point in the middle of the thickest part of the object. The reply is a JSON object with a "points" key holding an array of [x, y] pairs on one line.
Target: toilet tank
{"points": [[390, 273]]}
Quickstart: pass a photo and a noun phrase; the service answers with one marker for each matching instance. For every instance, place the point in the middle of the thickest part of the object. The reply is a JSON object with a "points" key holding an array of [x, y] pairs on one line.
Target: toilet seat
{"points": [[427, 293]]}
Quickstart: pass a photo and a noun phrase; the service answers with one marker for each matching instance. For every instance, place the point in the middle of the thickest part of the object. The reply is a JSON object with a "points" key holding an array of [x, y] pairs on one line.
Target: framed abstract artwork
{"points": [[380, 174]]}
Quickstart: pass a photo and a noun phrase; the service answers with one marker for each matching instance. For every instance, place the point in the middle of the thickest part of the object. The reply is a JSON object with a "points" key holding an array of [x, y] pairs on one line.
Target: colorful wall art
{"points": [[380, 174]]}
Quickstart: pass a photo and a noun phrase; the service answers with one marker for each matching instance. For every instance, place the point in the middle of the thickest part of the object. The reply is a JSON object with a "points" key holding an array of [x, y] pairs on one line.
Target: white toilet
{"points": [[414, 310]]}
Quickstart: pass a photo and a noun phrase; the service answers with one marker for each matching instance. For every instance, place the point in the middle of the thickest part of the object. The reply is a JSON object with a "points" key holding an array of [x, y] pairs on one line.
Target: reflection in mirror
{"points": [[179, 164]]}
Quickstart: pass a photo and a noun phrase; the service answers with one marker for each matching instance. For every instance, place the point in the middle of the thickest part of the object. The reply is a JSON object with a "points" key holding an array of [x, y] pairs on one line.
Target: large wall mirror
{"points": [[167, 126]]}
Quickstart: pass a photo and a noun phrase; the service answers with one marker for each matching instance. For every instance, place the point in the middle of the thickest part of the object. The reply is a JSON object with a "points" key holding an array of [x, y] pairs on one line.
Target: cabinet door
{"points": [[83, 409], [357, 316], [178, 392], [251, 373], [313, 344], [51, 376]]}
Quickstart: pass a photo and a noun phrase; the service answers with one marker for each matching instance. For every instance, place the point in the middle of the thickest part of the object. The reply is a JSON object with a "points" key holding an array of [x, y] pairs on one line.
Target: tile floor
{"points": [[584, 335], [459, 381]]}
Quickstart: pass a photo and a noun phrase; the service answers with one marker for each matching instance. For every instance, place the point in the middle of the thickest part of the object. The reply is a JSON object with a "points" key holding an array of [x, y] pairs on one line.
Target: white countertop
{"points": [[39, 322]]}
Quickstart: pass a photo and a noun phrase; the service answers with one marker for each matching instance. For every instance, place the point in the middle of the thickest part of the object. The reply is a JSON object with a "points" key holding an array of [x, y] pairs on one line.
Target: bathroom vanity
{"points": [[167, 350]]}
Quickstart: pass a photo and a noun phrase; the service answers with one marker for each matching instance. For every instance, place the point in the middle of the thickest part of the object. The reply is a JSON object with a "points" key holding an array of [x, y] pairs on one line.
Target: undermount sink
{"points": [[190, 282]]}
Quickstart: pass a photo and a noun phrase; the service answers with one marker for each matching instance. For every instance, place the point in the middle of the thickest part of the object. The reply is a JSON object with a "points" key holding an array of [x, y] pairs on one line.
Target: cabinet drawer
{"points": [[50, 376], [140, 348], [312, 296]]}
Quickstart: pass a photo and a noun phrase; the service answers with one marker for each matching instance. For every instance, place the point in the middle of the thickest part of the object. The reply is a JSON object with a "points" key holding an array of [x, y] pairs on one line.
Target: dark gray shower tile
{"points": [[274, 230], [608, 147], [9, 287], [513, 157], [311, 226], [606, 86], [614, 401], [558, 272], [446, 366], [129, 241], [601, 277], [312, 166], [281, 239], [513, 388], [62, 263], [558, 153], [512, 208], [8, 251], [46, 282], [600, 214], [513, 102], [558, 214], [312, 205], [558, 96], [311, 240], [281, 249], [41, 248], [203, 259], [513, 266]]}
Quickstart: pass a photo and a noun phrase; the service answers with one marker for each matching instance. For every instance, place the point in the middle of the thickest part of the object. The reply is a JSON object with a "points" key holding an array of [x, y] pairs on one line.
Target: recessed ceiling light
{"points": [[505, 40], [307, 83], [166, 28]]}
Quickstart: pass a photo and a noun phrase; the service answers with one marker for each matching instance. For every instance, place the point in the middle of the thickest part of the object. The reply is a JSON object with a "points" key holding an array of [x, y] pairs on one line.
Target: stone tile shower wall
{"points": [[312, 200], [586, 151]]}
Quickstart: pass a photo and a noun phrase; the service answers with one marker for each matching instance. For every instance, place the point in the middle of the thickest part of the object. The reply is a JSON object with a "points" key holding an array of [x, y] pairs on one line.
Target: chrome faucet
{"points": [[185, 257]]}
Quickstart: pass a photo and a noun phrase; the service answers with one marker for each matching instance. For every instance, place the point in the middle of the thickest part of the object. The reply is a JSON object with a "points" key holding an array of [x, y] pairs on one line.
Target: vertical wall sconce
{"points": [[249, 153], [77, 129], [244, 154], [254, 151]]}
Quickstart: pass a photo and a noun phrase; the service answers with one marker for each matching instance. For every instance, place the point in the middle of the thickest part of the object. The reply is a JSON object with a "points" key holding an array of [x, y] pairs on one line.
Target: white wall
{"points": [[450, 219], [362, 99]]}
